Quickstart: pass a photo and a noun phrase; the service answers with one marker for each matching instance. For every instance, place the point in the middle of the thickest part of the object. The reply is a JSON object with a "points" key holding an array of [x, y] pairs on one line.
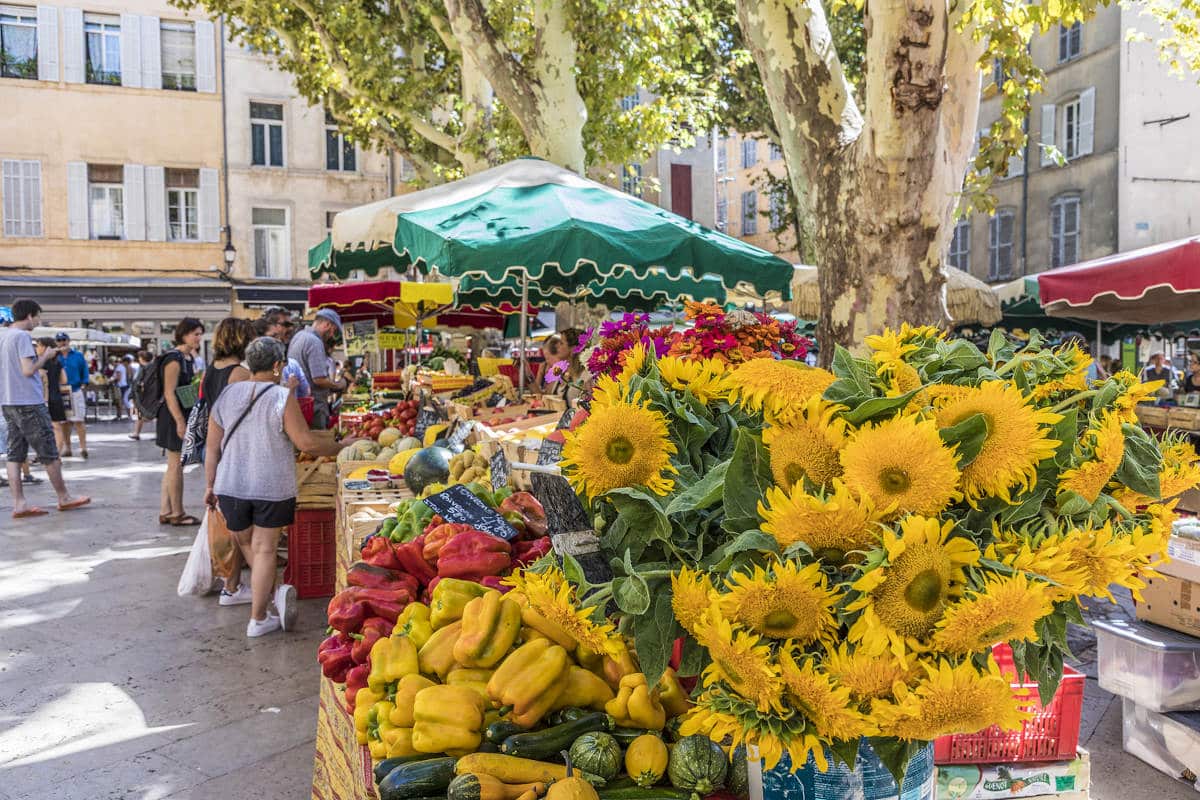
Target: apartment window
{"points": [[722, 155], [178, 56], [270, 242], [777, 208], [183, 204], [103, 48], [1069, 137], [22, 188], [106, 201], [774, 152], [1000, 245], [1070, 126], [749, 152], [1070, 41], [631, 179], [629, 102], [266, 134], [960, 246], [749, 213], [340, 155], [1064, 230], [18, 42], [997, 72], [723, 214]]}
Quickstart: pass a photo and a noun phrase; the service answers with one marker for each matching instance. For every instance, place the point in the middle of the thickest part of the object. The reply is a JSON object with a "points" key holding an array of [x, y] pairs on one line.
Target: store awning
{"points": [[119, 298]]}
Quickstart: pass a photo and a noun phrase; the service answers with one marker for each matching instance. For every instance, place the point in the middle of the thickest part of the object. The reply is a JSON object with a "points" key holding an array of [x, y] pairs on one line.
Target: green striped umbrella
{"points": [[626, 292]]}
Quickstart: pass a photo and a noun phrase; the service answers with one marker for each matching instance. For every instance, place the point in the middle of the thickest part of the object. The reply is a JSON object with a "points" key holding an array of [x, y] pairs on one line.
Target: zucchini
{"points": [[551, 742], [487, 747], [568, 714], [389, 764], [417, 779], [626, 735], [500, 730], [638, 793]]}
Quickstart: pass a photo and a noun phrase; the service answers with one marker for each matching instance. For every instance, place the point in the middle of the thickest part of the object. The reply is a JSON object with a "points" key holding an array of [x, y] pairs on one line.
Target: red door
{"points": [[681, 189]]}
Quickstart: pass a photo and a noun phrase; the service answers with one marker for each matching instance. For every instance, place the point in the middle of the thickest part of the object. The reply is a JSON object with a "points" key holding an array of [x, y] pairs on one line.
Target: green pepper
{"points": [[388, 527], [500, 495]]}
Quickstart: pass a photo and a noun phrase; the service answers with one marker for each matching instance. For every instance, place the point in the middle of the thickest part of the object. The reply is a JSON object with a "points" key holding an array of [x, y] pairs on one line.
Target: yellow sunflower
{"points": [[606, 391], [632, 362], [776, 388], [1006, 609], [902, 378], [829, 706], [1075, 380], [807, 445], [1108, 557], [739, 661], [692, 594], [722, 716], [619, 445], [950, 699], [552, 596], [1107, 445], [831, 524], [902, 599], [789, 602], [704, 378], [1180, 469], [1016, 439], [911, 333], [1133, 391], [902, 465], [1040, 558], [867, 677], [888, 347]]}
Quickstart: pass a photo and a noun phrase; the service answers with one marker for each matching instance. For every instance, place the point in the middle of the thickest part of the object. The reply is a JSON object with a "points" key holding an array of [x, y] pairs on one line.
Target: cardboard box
{"points": [[994, 781], [1185, 559], [1171, 602]]}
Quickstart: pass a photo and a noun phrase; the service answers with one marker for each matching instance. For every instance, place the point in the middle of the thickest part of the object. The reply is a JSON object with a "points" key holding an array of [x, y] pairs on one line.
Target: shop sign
{"points": [[361, 337], [390, 339]]}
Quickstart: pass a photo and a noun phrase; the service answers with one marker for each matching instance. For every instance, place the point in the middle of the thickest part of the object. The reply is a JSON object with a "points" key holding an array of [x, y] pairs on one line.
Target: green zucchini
{"points": [[418, 779], [626, 735], [389, 764], [550, 743], [487, 747], [568, 714], [639, 793], [500, 730]]}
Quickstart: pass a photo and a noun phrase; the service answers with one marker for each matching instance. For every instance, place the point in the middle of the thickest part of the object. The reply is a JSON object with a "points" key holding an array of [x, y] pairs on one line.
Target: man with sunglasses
{"points": [[279, 324]]}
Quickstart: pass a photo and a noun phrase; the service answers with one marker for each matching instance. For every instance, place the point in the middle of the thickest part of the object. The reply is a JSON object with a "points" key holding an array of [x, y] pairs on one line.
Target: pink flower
{"points": [[557, 372]]}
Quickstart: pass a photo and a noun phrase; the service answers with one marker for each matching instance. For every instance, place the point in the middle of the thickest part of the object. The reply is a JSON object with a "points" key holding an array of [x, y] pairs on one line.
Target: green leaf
{"points": [[694, 659], [722, 558], [1000, 349], [1066, 432], [895, 754], [573, 572], [853, 384], [1141, 463], [655, 633], [748, 477], [630, 590], [959, 354], [877, 407], [701, 494], [1027, 508], [969, 435], [846, 751]]}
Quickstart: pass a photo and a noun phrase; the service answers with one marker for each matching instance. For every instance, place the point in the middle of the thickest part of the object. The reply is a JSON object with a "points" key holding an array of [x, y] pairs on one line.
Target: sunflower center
{"points": [[924, 591], [894, 481], [780, 620], [732, 674], [793, 473], [619, 450]]}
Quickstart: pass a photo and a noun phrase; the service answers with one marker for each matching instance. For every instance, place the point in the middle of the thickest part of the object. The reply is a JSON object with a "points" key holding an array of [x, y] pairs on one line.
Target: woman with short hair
{"points": [[177, 368]]}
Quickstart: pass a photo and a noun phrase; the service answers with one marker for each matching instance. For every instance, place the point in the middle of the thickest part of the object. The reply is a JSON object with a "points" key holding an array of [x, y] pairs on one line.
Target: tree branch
{"points": [[469, 23]]}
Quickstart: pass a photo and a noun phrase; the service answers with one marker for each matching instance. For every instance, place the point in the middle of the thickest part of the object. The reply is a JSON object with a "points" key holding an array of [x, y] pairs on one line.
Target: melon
{"points": [[389, 436], [400, 460], [408, 443], [427, 466]]}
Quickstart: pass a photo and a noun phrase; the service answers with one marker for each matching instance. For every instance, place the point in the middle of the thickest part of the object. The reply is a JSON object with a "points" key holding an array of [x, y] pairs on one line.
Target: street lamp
{"points": [[230, 255]]}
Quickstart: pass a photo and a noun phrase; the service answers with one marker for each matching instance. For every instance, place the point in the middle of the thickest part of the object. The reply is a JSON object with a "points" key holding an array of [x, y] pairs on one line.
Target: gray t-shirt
{"points": [[309, 350], [259, 462], [16, 389]]}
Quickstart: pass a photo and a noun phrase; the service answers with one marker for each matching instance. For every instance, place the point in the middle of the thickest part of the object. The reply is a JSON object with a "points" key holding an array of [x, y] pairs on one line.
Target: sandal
{"points": [[33, 511], [186, 520], [78, 502], [166, 519]]}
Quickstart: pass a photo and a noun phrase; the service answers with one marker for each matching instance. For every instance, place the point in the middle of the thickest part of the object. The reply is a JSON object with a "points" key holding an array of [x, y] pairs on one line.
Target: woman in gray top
{"points": [[253, 430]]}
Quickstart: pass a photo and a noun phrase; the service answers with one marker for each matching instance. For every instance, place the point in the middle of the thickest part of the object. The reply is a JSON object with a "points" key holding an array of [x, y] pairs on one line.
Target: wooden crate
{"points": [[1185, 419], [316, 484], [1153, 416]]}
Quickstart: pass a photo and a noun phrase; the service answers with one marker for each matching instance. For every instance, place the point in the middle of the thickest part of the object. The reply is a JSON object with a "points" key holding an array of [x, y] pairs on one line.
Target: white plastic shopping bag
{"points": [[197, 577]]}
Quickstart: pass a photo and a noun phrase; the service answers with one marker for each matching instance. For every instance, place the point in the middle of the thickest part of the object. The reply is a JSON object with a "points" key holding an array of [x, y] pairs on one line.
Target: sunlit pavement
{"points": [[113, 686]]}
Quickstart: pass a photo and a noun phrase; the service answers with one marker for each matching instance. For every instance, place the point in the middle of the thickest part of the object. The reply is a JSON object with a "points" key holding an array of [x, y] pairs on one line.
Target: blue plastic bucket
{"points": [[869, 780]]}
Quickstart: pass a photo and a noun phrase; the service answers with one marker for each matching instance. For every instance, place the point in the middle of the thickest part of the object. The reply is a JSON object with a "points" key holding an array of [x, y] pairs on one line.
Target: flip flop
{"points": [[185, 521], [78, 502], [30, 512]]}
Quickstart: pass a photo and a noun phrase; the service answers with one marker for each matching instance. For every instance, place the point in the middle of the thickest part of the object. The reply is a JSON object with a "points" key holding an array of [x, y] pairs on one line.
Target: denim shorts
{"points": [[29, 426]]}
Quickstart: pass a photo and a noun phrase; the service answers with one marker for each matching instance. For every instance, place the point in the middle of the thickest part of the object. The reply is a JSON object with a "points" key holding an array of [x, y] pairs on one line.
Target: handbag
{"points": [[196, 435]]}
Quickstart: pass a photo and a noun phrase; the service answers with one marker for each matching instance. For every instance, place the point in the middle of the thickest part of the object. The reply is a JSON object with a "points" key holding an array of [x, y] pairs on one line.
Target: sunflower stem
{"points": [[1073, 399], [1018, 359]]}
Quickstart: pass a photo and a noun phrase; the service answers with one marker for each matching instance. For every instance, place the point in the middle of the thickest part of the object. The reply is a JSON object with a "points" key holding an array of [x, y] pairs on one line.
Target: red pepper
{"points": [[378, 552], [344, 613], [410, 554], [434, 522], [427, 595], [356, 679], [334, 657], [528, 552], [436, 538], [529, 508], [472, 555], [495, 582], [350, 607], [370, 576], [372, 631]]}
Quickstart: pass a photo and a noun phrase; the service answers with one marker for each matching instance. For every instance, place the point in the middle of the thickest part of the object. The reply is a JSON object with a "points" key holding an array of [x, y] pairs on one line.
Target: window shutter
{"points": [[156, 209], [1047, 132], [1016, 164], [77, 194], [210, 207], [151, 53], [33, 198], [47, 43], [135, 203], [1087, 120], [73, 46], [131, 51], [206, 58]]}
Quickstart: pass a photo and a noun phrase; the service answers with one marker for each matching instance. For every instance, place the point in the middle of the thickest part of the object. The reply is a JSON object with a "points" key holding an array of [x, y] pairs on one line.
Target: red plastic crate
{"points": [[1051, 734], [312, 553]]}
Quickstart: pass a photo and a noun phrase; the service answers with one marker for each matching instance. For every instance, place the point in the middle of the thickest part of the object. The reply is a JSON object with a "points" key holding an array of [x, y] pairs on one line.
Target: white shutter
{"points": [[1016, 163], [210, 206], [131, 51], [10, 189], [1087, 120], [151, 54], [77, 197], [73, 48], [1047, 133], [47, 43], [135, 203], [156, 204], [206, 58]]}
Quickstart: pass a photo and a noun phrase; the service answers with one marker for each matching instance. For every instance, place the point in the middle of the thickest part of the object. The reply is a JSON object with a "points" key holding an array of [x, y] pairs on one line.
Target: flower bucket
{"points": [[869, 780]]}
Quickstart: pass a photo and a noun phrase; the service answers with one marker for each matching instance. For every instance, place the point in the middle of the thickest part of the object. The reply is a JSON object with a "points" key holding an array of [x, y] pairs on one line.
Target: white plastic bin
{"points": [[1156, 668], [1168, 742]]}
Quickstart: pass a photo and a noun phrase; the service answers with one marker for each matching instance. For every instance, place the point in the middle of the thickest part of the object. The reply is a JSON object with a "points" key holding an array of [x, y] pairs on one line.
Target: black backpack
{"points": [[147, 390]]}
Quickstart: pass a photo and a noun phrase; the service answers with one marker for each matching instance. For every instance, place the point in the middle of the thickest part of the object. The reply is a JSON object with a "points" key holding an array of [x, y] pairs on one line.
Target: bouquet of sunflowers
{"points": [[839, 551]]}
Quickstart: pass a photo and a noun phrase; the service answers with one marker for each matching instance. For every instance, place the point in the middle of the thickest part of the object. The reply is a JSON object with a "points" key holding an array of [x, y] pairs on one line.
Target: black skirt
{"points": [[165, 435]]}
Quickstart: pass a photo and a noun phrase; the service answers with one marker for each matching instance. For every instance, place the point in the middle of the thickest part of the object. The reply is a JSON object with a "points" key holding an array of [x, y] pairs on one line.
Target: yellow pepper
{"points": [[476, 679], [378, 722], [413, 622], [530, 679], [583, 689], [399, 742], [616, 663], [437, 656], [532, 619], [364, 701], [636, 705], [675, 701], [490, 625], [448, 719], [391, 659], [406, 694], [450, 598]]}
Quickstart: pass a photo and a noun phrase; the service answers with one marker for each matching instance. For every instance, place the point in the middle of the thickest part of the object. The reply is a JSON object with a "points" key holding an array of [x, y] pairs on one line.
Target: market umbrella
{"points": [[968, 299], [624, 292]]}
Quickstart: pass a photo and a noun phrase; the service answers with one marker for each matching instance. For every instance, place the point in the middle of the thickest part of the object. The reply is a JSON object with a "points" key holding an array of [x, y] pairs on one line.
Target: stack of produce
{"points": [[402, 417]]}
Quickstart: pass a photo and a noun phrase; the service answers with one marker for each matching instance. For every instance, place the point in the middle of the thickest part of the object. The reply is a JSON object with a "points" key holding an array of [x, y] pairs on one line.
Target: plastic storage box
{"points": [[1168, 742], [1156, 668], [312, 553]]}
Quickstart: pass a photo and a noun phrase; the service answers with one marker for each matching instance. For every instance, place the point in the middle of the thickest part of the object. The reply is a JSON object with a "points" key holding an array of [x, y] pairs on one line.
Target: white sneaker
{"points": [[237, 598], [285, 604], [261, 627]]}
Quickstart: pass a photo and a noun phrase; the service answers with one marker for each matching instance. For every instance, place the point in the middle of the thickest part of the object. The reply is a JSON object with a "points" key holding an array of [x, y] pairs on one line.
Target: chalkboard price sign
{"points": [[458, 504], [426, 417], [564, 512], [500, 470]]}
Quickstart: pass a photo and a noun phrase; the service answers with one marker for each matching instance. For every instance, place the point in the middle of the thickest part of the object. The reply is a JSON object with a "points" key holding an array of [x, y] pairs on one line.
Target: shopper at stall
{"points": [[277, 323], [120, 379], [253, 433], [177, 369], [25, 413], [144, 360], [57, 390], [76, 366], [1191, 378], [1157, 370], [308, 348], [557, 350]]}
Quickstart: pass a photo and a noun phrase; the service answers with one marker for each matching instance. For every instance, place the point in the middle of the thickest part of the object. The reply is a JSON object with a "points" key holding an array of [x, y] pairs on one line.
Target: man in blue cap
{"points": [[308, 348]]}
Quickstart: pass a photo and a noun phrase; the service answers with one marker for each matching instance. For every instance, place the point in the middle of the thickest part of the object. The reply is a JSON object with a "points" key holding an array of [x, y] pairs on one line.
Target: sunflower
{"points": [[867, 677], [807, 445], [950, 699], [912, 333], [606, 391], [704, 378], [889, 347], [1005, 609], [903, 598], [1108, 556], [632, 362], [902, 378], [1041, 558], [829, 706], [789, 602], [1016, 440], [1180, 469], [1133, 391], [832, 524], [902, 465], [621, 444], [692, 594], [739, 661], [550, 595], [723, 716], [776, 388], [1107, 445]]}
